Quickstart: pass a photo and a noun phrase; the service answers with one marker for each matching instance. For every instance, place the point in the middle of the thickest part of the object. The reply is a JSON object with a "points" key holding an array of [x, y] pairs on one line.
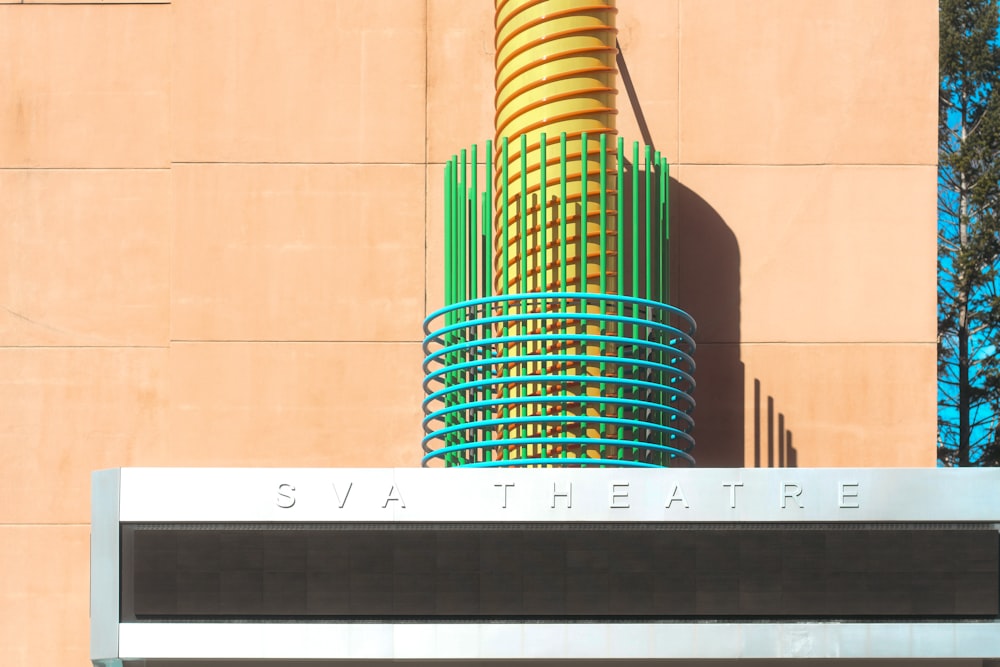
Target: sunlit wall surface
{"points": [[220, 233]]}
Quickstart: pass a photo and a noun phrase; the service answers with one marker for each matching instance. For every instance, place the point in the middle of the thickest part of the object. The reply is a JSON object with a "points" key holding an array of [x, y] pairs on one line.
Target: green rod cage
{"points": [[557, 345]]}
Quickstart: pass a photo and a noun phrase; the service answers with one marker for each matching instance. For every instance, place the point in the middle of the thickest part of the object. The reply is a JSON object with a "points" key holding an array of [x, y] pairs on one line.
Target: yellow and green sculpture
{"points": [[556, 346]]}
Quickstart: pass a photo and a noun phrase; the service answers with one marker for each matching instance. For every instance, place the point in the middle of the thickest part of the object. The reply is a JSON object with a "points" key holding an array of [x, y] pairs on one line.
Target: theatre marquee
{"points": [[539, 564]]}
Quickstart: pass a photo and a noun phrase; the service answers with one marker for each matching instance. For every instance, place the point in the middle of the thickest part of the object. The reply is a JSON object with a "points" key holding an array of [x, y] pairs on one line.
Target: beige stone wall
{"points": [[220, 229]]}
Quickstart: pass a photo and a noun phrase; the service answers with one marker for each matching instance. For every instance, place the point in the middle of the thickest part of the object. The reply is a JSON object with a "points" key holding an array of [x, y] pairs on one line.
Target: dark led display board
{"points": [[555, 571]]}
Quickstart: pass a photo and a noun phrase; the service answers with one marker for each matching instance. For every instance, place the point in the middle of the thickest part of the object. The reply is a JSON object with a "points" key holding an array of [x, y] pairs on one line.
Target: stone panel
{"points": [[793, 82], [84, 257], [67, 412], [100, 99], [298, 252], [293, 404], [809, 405], [103, 2], [796, 254], [649, 41], [44, 578], [460, 87], [298, 81]]}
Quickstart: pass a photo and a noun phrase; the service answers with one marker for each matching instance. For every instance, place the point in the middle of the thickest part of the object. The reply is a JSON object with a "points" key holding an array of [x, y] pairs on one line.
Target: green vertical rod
{"points": [[505, 212], [604, 276], [665, 290], [448, 318], [563, 262], [620, 218], [620, 268], [635, 228], [604, 216], [473, 198], [484, 330], [665, 224], [648, 239], [459, 241], [544, 249], [462, 245], [562, 216], [543, 193], [524, 213], [447, 239], [463, 259], [462, 251], [453, 247], [457, 244], [582, 222], [661, 437], [649, 212], [661, 263], [488, 221], [450, 175], [603, 159], [472, 204], [658, 223], [489, 171], [458, 254], [635, 259], [522, 428]]}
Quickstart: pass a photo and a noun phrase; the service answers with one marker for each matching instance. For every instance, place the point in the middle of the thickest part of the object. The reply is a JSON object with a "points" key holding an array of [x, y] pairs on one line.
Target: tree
{"points": [[969, 233]]}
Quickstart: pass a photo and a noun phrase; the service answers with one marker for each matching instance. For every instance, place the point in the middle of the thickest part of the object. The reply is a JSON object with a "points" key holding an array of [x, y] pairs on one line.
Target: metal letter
{"points": [[568, 495], [398, 497], [285, 499], [844, 494], [619, 490], [342, 501], [677, 495], [732, 492], [787, 493], [504, 486]]}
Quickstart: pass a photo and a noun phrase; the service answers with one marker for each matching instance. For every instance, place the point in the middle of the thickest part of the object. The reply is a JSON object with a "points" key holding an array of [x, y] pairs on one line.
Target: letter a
{"points": [[677, 496]]}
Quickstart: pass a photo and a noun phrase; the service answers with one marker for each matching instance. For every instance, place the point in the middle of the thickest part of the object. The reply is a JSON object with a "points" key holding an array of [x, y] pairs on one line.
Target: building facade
{"points": [[221, 231]]}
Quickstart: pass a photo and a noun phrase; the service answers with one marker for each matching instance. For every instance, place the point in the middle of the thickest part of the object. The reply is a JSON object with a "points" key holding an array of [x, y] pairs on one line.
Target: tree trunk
{"points": [[964, 388]]}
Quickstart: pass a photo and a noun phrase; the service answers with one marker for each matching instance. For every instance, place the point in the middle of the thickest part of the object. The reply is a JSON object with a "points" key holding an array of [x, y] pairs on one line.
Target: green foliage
{"points": [[969, 233]]}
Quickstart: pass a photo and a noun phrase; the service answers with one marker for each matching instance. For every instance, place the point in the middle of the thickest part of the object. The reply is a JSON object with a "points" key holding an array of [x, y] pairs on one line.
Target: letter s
{"points": [[285, 498]]}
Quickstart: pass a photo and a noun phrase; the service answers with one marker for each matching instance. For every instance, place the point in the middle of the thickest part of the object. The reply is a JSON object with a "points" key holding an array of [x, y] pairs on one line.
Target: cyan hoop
{"points": [[559, 379]]}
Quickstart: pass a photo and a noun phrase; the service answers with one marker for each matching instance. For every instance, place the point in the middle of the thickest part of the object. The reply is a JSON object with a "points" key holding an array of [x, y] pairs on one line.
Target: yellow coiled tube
{"points": [[555, 74]]}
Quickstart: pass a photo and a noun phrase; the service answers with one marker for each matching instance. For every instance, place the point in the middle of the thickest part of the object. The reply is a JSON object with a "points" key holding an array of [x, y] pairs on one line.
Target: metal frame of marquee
{"points": [[879, 498]]}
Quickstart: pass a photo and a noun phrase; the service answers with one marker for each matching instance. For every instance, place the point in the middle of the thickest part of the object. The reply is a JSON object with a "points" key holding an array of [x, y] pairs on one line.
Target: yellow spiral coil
{"points": [[555, 74]]}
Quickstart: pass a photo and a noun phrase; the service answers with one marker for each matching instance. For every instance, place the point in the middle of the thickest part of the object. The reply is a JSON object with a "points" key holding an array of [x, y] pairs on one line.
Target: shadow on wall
{"points": [[705, 280], [779, 453], [705, 259]]}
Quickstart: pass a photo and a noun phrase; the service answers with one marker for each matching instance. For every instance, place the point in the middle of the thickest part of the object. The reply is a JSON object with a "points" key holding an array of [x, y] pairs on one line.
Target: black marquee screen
{"points": [[555, 571]]}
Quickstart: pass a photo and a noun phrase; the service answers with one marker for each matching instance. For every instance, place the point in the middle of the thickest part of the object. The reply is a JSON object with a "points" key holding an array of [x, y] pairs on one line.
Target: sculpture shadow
{"points": [[705, 265], [705, 282], [705, 257], [772, 441]]}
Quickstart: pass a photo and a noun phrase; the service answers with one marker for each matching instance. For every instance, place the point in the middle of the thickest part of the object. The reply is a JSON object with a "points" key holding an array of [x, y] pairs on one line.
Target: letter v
{"points": [[342, 501]]}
